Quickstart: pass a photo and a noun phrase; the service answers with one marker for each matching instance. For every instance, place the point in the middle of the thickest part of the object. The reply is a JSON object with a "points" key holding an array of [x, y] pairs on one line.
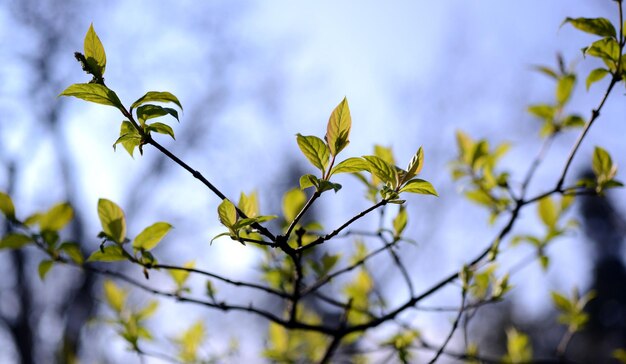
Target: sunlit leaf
{"points": [[381, 169], [595, 76], [14, 241], [602, 164], [129, 137], [73, 251], [350, 165], [146, 112], [157, 96], [315, 150], [112, 220], [115, 296], [338, 129], [597, 26], [419, 186], [109, 253], [518, 346], [415, 166], [542, 111], [6, 205], [162, 129], [227, 213], [308, 180], [249, 204], [180, 276], [293, 202], [548, 212], [151, 236], [93, 92], [400, 221], [57, 217], [189, 342], [564, 88], [94, 51]]}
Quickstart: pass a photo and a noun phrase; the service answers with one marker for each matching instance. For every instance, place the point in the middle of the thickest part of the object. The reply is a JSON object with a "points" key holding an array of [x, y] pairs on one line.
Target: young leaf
{"points": [[564, 88], [573, 121], [381, 169], [151, 236], [547, 71], [129, 137], [14, 241], [227, 213], [595, 76], [309, 180], [189, 342], [73, 251], [162, 129], [180, 276], [548, 212], [518, 345], [112, 220], [249, 204], [607, 49], [419, 186], [156, 96], [44, 268], [597, 26], [93, 92], [146, 112], [542, 111], [415, 166], [350, 165], [602, 164], [315, 150], [109, 253], [293, 202], [94, 51], [57, 217], [6, 206], [338, 129], [115, 296], [399, 223]]}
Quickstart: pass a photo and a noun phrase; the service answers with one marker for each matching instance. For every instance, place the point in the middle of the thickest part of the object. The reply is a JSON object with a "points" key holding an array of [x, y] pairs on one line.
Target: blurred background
{"points": [[250, 75]]}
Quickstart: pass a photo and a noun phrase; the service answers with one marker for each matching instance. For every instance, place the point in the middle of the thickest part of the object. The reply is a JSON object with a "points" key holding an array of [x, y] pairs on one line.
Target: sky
{"points": [[253, 74]]}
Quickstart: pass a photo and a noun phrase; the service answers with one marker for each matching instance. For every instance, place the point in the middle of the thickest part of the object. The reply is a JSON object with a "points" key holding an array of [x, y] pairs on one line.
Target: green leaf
{"points": [[115, 296], [93, 92], [325, 185], [338, 129], [112, 220], [57, 217], [419, 186], [561, 302], [73, 251], [94, 51], [151, 236], [564, 88], [309, 180], [109, 253], [249, 204], [602, 164], [148, 310], [162, 129], [146, 112], [129, 137], [350, 165], [293, 202], [156, 96], [620, 355], [574, 121], [6, 206], [227, 213], [381, 169], [14, 241], [597, 26], [189, 342], [518, 345], [542, 111], [595, 76], [607, 49], [180, 276], [315, 150], [466, 146], [399, 223], [548, 212], [415, 165], [44, 268], [547, 71]]}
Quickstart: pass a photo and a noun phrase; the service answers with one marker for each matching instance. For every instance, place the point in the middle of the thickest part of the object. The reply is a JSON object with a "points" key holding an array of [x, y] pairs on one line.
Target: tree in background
{"points": [[292, 273]]}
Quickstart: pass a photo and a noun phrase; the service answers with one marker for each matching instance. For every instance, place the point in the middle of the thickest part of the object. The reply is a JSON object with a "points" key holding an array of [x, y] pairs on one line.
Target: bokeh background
{"points": [[250, 76]]}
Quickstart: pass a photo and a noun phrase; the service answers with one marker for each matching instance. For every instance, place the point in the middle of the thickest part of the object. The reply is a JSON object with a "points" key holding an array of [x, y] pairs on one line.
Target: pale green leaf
{"points": [[57, 217], [249, 204], [602, 164], [151, 236], [227, 213], [14, 241], [548, 212], [315, 150], [415, 165], [180, 276], [381, 169], [338, 129], [73, 251], [293, 202], [564, 88], [94, 51], [109, 253], [542, 111], [112, 220], [308, 180], [597, 26], [400, 221], [115, 296], [6, 206], [44, 267], [419, 186], [595, 76], [156, 96], [350, 165], [129, 137], [93, 92], [162, 129], [148, 310]]}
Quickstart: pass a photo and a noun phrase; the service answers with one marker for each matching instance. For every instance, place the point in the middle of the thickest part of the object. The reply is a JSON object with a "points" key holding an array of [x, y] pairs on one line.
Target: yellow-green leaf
{"points": [[293, 202], [227, 213], [315, 150], [115, 296], [564, 88], [157, 96], [93, 92], [597, 26], [94, 51], [129, 137], [338, 129], [162, 129], [415, 166], [180, 276], [151, 236], [548, 212], [400, 221], [44, 268], [602, 164], [419, 186], [190, 340], [350, 165], [73, 251], [57, 217], [595, 76], [6, 205], [109, 253], [112, 220], [249, 204], [14, 241], [381, 169]]}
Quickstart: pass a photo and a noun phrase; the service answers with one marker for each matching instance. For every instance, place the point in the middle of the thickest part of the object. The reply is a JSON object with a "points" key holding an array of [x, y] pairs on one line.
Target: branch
{"points": [[455, 324]]}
